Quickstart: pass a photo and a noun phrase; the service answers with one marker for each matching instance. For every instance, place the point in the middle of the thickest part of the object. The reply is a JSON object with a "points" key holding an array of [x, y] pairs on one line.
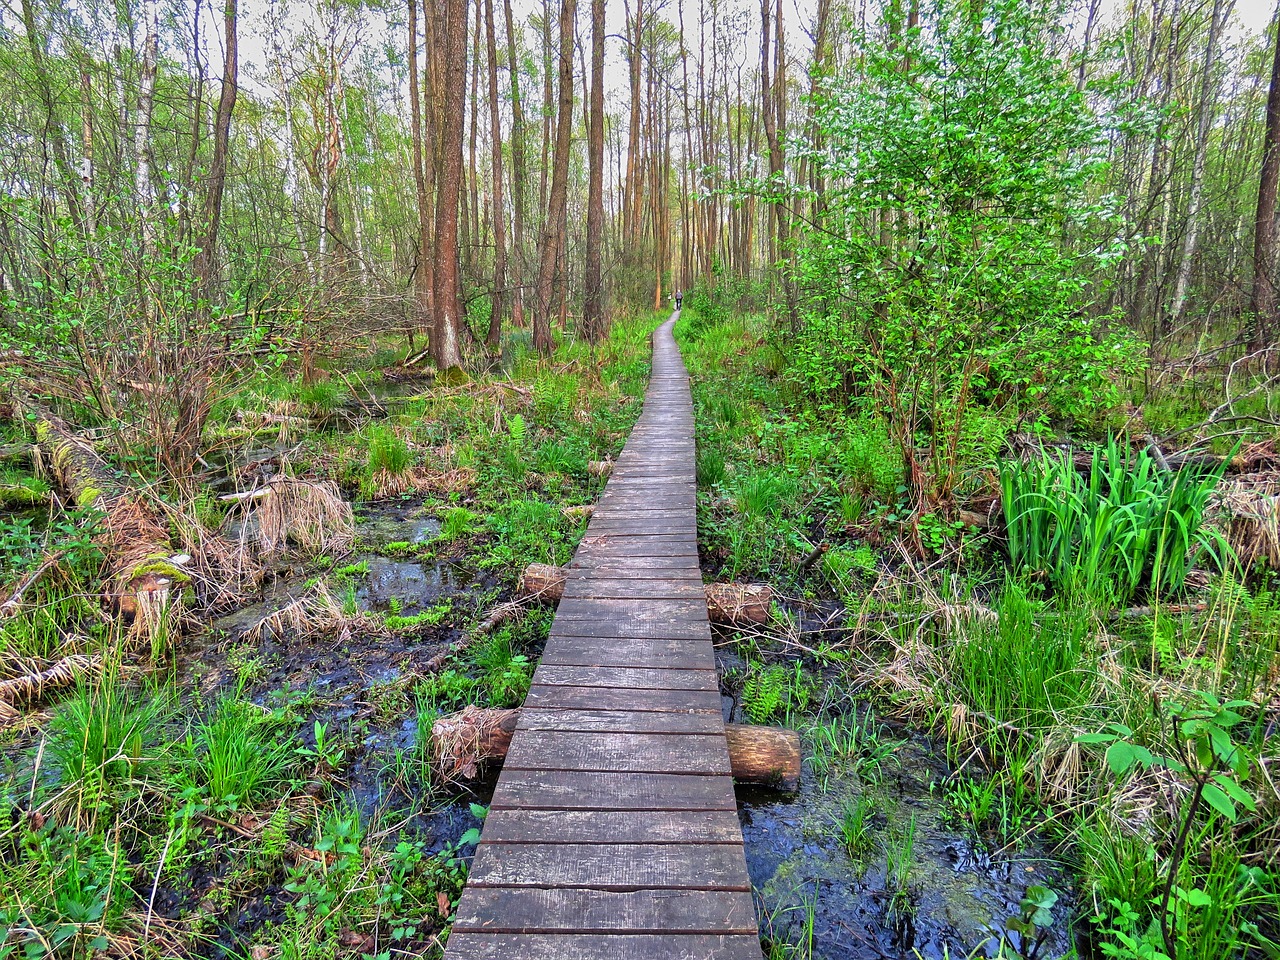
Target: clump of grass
{"points": [[854, 824], [237, 755], [458, 522], [103, 741], [319, 396], [1128, 525], [310, 514], [387, 462]]}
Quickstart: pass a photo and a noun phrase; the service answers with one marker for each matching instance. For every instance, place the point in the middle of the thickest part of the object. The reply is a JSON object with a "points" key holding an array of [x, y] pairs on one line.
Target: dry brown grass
{"points": [[310, 514], [317, 613]]}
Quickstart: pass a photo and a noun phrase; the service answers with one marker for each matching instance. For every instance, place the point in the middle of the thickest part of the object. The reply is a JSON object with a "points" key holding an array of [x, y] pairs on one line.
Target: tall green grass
{"points": [[1126, 526]]}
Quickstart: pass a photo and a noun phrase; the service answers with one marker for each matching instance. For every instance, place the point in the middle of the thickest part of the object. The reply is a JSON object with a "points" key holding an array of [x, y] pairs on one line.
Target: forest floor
{"points": [[260, 784]]}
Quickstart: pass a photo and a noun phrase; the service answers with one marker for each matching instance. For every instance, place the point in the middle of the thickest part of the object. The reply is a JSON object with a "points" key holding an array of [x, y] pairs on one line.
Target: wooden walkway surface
{"points": [[613, 831]]}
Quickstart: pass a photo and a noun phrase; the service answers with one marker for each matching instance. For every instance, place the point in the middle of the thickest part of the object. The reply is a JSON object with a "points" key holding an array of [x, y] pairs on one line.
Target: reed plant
{"points": [[1125, 526]]}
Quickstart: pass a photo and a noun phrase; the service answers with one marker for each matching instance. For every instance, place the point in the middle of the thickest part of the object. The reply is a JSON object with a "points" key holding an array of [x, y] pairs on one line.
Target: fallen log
{"points": [[33, 686], [463, 742], [145, 584], [726, 602]]}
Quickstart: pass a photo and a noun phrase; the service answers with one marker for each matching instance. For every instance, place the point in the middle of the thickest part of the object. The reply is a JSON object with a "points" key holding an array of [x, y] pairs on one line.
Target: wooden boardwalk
{"points": [[613, 831]]}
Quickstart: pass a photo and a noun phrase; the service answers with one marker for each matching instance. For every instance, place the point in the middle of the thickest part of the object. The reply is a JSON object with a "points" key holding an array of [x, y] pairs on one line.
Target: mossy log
{"points": [[144, 584], [726, 602], [465, 741]]}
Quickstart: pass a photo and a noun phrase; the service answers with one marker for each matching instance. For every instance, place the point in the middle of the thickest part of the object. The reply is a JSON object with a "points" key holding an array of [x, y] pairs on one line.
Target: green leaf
{"points": [[1235, 792], [1121, 756], [1095, 738], [1220, 802]]}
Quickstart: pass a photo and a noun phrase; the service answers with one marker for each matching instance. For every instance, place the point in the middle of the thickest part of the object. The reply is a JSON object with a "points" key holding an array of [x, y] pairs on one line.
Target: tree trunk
{"points": [[204, 266], [631, 187], [1217, 18], [518, 128], [143, 587], [1264, 223], [422, 268], [499, 297], [143, 194], [556, 205], [445, 348], [593, 325]]}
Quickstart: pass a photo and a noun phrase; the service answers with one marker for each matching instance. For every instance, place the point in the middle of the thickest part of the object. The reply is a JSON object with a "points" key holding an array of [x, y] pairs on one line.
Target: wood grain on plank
{"points": [[612, 826], [471, 945], [619, 721], [557, 790], [686, 866], [642, 678], [536, 910], [615, 698], [705, 754]]}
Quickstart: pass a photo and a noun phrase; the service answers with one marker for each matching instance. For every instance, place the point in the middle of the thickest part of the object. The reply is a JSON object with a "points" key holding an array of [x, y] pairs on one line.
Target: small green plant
{"points": [[1206, 753], [854, 826], [850, 744], [236, 756], [505, 675], [458, 522], [899, 854], [431, 617], [1026, 934]]}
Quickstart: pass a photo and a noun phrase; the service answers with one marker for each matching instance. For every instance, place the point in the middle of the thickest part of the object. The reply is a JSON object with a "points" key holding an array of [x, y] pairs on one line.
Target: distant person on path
{"points": [[679, 297]]}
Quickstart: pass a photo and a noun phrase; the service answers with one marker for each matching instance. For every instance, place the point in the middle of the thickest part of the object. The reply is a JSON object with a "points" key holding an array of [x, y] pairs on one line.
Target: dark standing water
{"points": [[956, 895]]}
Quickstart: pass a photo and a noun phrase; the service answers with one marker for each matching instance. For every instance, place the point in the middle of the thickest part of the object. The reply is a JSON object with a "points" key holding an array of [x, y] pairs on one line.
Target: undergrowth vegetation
{"points": [[262, 781], [1077, 633]]}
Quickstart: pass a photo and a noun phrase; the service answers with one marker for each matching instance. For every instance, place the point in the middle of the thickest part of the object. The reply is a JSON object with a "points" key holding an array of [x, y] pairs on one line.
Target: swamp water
{"points": [[915, 884]]}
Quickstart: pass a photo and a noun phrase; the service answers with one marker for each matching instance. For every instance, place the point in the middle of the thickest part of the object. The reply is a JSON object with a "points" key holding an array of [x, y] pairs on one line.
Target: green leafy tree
{"points": [[949, 266]]}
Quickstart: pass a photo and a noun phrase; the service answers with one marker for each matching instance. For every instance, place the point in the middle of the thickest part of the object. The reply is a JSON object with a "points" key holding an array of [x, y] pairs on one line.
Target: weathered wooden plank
{"points": [[595, 652], [612, 826], [609, 545], [648, 610], [622, 721], [535, 910], [630, 629], [639, 678], [605, 866], [557, 790], [637, 566], [471, 945], [594, 585], [615, 698], [619, 752]]}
